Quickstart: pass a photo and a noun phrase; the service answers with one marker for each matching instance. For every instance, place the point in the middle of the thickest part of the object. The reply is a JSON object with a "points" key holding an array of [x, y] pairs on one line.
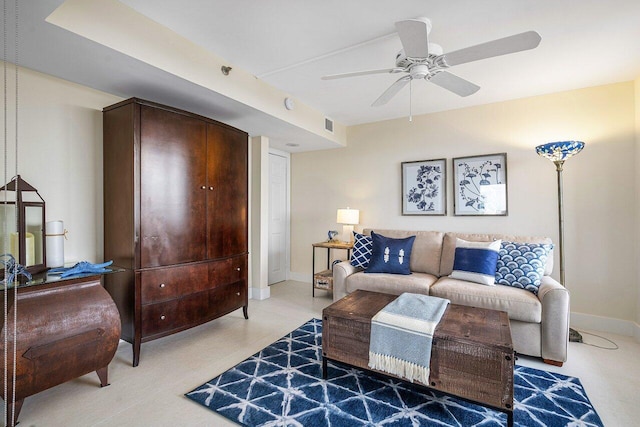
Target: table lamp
{"points": [[558, 153], [348, 218]]}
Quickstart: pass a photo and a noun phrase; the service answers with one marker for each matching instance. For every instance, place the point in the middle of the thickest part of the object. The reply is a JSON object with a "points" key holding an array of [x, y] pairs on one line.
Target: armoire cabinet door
{"points": [[227, 195], [172, 188]]}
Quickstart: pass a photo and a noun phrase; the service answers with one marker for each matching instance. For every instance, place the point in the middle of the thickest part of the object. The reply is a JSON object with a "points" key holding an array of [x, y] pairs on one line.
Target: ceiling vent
{"points": [[328, 124]]}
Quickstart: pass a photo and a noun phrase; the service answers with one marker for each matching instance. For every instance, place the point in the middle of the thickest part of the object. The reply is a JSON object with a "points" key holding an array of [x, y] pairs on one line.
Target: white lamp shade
{"points": [[348, 216]]}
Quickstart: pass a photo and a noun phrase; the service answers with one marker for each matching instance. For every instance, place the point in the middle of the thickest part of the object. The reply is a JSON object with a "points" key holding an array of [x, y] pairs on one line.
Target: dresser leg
{"points": [[15, 410], [103, 374], [245, 309]]}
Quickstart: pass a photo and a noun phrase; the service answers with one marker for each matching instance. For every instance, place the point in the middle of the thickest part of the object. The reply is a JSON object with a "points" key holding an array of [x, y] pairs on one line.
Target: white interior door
{"points": [[278, 217]]}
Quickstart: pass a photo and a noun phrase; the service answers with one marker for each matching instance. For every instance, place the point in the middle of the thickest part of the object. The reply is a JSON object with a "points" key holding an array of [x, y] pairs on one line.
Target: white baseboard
{"points": [[605, 324], [300, 277], [259, 293]]}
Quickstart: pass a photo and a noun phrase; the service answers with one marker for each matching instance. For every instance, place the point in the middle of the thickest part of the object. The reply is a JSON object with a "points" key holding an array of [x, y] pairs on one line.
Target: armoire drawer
{"points": [[158, 318], [192, 309], [169, 283], [227, 271], [224, 299]]}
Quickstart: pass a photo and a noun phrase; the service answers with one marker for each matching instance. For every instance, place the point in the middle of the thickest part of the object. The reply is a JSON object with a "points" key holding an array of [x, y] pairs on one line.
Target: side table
{"points": [[326, 276]]}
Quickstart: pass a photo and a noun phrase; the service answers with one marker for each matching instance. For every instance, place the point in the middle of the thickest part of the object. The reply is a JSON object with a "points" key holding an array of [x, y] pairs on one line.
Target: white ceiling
{"points": [[290, 44]]}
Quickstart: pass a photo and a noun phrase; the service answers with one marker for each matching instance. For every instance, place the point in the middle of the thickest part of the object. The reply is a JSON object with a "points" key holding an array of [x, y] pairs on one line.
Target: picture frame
{"points": [[424, 187], [480, 185]]}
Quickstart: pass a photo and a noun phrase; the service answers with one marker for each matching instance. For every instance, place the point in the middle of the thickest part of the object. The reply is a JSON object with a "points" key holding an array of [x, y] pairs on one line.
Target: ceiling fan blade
{"points": [[414, 37], [453, 83], [361, 73], [391, 91], [516, 43]]}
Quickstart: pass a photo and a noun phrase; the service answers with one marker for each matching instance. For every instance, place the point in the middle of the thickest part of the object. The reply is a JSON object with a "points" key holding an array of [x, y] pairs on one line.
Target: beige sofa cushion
{"points": [[449, 247], [518, 303], [426, 251], [417, 283]]}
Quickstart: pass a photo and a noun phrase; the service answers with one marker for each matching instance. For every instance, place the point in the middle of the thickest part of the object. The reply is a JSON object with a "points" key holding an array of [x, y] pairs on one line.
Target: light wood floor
{"points": [[153, 393]]}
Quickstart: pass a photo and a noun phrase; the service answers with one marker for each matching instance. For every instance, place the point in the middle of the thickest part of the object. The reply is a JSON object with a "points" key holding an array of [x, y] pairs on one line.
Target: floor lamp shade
{"points": [[348, 217], [558, 153]]}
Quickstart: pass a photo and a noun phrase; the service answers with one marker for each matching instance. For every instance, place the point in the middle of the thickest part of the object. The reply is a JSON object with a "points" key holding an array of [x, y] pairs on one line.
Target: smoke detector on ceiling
{"points": [[289, 104]]}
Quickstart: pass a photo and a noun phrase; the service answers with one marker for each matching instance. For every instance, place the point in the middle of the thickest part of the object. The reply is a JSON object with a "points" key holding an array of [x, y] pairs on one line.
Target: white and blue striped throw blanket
{"points": [[402, 333]]}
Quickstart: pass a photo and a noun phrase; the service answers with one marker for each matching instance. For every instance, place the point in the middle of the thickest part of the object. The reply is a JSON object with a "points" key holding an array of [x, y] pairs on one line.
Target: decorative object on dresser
{"points": [[22, 215], [63, 329], [348, 217], [558, 153], [175, 218], [423, 187], [55, 235], [480, 185]]}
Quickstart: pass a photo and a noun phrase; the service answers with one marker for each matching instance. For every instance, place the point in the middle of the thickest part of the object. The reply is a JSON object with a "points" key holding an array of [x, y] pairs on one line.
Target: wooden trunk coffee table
{"points": [[471, 358]]}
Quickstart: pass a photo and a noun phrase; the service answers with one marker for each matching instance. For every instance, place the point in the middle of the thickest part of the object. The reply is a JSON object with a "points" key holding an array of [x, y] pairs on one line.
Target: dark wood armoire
{"points": [[175, 218]]}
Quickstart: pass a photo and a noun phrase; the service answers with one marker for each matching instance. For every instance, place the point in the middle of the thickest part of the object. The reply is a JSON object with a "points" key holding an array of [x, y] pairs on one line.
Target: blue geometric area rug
{"points": [[282, 385]]}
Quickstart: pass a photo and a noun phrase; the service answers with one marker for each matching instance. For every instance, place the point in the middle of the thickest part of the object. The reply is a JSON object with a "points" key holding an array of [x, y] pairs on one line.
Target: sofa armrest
{"points": [[340, 272], [555, 320]]}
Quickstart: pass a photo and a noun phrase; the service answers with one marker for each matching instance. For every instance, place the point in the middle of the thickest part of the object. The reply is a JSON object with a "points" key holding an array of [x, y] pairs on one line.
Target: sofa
{"points": [[539, 323]]}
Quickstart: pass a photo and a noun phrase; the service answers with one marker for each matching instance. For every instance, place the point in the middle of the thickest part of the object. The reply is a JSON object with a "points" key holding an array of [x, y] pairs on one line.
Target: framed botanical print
{"points": [[423, 187], [480, 185]]}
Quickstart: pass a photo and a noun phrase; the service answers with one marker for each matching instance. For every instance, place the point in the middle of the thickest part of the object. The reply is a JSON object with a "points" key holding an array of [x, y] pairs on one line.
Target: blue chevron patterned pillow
{"points": [[521, 265], [361, 253]]}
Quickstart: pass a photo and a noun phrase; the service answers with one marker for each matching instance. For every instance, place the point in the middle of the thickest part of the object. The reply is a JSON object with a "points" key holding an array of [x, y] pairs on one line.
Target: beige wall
{"points": [[60, 153], [599, 196], [637, 193]]}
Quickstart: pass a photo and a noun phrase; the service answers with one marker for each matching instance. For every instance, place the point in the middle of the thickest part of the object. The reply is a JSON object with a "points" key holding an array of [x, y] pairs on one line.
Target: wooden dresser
{"points": [[175, 218], [62, 329]]}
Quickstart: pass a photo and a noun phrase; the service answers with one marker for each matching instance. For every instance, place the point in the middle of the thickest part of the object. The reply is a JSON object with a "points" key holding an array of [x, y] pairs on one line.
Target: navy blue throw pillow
{"points": [[361, 250], [390, 255]]}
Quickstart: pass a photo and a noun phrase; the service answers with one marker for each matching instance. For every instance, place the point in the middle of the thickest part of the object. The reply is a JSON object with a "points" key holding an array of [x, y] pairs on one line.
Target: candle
{"points": [[29, 248], [54, 232]]}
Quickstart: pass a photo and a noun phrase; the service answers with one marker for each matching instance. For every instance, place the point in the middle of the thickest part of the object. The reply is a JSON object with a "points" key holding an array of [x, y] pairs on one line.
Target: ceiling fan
{"points": [[420, 59]]}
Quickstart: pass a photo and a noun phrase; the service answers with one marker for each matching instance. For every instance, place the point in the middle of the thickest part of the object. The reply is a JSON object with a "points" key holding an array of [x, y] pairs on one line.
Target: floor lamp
{"points": [[558, 152]]}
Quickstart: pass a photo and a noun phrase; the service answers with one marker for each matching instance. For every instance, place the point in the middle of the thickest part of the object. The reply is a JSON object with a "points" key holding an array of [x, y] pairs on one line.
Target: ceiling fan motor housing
{"points": [[419, 71], [435, 52]]}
